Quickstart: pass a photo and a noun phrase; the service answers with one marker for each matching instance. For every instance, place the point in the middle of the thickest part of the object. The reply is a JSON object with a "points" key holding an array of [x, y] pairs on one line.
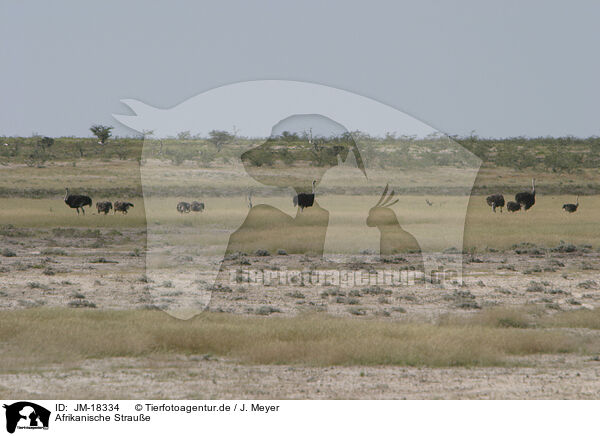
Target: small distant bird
{"points": [[77, 201], [429, 203], [513, 206], [570, 207], [250, 200]]}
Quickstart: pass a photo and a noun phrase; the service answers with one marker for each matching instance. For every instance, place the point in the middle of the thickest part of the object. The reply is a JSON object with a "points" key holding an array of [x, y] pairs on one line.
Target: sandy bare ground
{"points": [[106, 270], [203, 377]]}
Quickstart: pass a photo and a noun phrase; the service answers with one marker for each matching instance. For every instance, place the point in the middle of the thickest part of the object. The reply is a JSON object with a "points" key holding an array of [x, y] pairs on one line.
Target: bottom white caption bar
{"points": [[266, 417]]}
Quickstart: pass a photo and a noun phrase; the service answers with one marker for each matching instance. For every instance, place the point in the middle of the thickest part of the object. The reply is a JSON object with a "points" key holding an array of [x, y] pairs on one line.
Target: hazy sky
{"points": [[500, 68]]}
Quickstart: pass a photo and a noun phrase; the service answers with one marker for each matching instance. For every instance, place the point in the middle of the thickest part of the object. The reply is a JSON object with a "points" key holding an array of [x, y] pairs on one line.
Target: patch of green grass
{"points": [[7, 252], [37, 285], [267, 310], [81, 303], [54, 252]]}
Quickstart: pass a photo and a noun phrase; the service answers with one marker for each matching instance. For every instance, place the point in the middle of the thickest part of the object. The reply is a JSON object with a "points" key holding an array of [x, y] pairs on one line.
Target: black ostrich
{"points": [[570, 207], [305, 200], [77, 201], [527, 199], [495, 200], [513, 206]]}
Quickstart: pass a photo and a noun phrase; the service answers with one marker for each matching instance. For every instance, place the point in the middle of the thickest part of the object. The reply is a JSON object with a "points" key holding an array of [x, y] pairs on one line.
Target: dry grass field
{"points": [[506, 353]]}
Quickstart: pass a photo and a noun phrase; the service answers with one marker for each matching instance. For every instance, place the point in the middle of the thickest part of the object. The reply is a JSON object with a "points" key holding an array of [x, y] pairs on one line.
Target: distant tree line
{"points": [[560, 155]]}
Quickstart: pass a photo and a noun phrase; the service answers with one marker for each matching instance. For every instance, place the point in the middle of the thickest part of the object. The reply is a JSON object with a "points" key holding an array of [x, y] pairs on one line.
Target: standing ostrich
{"points": [[183, 207], [570, 207], [77, 201], [122, 206], [513, 206], [197, 206], [103, 206], [495, 200], [305, 200], [527, 199]]}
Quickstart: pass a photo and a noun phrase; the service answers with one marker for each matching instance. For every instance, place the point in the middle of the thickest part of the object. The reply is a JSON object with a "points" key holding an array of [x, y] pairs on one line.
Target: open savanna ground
{"points": [[437, 227], [79, 304]]}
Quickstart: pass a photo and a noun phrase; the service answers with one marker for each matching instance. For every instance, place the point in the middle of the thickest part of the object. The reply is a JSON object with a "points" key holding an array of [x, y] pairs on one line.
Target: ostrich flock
{"points": [[79, 201], [523, 201]]}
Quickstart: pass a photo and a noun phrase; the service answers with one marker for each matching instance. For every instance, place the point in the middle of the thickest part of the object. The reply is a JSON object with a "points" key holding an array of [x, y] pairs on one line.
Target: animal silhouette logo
{"points": [[301, 176], [393, 239], [26, 415]]}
